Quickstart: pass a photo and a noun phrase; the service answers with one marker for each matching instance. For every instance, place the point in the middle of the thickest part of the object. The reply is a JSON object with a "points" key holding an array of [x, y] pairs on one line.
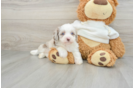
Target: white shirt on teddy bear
{"points": [[95, 30]]}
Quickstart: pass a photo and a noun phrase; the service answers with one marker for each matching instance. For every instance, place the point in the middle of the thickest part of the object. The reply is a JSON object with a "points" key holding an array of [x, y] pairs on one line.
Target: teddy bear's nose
{"points": [[100, 2]]}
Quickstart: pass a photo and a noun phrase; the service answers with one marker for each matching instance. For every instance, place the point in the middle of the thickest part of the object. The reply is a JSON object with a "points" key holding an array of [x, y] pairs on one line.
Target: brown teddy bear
{"points": [[98, 43]]}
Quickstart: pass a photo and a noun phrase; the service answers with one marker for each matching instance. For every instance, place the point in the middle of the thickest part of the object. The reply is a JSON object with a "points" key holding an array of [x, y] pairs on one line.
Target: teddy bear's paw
{"points": [[102, 58], [55, 57]]}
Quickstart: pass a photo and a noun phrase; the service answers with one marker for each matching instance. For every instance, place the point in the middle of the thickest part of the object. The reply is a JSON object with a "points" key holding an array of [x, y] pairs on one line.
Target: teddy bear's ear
{"points": [[115, 2]]}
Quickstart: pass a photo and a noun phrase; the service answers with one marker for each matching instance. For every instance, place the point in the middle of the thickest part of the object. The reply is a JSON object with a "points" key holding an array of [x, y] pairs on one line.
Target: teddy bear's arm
{"points": [[117, 47]]}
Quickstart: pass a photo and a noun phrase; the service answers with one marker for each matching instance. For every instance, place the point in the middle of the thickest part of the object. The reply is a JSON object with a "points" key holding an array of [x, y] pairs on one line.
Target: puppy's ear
{"points": [[76, 36], [56, 34]]}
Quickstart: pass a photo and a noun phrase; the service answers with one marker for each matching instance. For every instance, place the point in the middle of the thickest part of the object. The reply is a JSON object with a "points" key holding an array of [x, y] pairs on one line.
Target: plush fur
{"points": [[117, 47], [86, 50]]}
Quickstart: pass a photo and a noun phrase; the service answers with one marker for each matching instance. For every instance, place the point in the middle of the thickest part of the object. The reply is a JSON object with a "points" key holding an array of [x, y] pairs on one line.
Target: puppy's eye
{"points": [[72, 33], [63, 33]]}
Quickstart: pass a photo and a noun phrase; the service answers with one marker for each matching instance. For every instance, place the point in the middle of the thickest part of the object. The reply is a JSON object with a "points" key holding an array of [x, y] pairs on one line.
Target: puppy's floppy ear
{"points": [[115, 2], [76, 36], [56, 34]]}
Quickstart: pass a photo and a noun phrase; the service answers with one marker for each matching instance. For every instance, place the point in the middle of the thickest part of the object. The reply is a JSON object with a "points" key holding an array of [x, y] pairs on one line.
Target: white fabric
{"points": [[95, 30]]}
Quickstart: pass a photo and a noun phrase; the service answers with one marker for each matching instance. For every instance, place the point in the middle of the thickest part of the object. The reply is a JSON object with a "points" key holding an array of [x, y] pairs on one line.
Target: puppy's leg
{"points": [[38, 51], [43, 50], [62, 52], [77, 57], [45, 53], [34, 52], [42, 55]]}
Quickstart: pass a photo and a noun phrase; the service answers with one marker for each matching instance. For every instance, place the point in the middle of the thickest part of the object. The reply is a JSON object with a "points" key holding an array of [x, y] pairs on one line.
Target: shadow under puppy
{"points": [[64, 40]]}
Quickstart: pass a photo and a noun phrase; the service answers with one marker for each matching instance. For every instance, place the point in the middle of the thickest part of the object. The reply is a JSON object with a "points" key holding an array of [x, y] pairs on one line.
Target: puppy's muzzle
{"points": [[68, 39]]}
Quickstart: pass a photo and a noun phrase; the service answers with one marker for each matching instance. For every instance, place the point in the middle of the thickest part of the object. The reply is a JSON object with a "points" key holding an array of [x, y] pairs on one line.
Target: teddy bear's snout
{"points": [[100, 2]]}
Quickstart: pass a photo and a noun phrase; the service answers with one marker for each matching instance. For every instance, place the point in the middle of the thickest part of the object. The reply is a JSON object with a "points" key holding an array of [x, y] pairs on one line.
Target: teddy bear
{"points": [[99, 44]]}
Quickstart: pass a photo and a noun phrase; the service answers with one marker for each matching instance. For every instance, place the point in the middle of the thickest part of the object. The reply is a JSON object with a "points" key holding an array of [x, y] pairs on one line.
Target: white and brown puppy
{"points": [[64, 39]]}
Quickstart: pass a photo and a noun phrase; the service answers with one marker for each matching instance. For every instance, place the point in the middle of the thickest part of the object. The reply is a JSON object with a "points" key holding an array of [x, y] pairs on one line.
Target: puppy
{"points": [[64, 39]]}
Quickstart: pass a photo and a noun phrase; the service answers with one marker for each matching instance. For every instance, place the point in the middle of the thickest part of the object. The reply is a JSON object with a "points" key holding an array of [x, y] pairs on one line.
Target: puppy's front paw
{"points": [[63, 54], [78, 61]]}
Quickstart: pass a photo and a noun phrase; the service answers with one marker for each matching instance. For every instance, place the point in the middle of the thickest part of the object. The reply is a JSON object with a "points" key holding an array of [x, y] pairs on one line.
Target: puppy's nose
{"points": [[100, 2], [68, 39]]}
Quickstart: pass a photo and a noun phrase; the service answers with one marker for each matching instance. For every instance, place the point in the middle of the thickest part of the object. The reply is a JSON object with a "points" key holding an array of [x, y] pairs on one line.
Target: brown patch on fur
{"points": [[117, 47], [58, 33], [85, 50], [82, 17], [54, 42], [112, 56], [44, 46]]}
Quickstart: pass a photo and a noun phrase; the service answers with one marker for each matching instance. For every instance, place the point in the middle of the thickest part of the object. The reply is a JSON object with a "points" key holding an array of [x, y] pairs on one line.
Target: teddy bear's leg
{"points": [[55, 58], [102, 57], [117, 47]]}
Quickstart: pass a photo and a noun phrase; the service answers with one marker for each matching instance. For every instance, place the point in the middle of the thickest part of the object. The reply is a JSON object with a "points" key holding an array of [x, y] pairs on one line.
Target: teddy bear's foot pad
{"points": [[100, 58]]}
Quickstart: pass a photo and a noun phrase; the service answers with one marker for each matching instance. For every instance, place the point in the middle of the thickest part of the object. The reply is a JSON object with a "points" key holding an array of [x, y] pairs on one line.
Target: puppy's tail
{"points": [[34, 52]]}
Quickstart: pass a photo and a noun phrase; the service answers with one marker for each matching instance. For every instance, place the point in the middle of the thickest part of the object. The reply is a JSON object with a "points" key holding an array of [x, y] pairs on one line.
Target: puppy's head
{"points": [[65, 34]]}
